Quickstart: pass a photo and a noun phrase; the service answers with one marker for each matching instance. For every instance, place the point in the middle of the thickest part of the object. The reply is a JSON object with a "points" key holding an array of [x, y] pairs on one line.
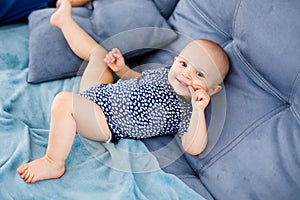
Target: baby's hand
{"points": [[115, 60], [200, 98]]}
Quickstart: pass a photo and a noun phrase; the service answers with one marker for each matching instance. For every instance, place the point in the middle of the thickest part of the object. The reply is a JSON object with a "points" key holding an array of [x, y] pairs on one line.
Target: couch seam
{"points": [[264, 83], [270, 115], [236, 11], [293, 91], [292, 96], [209, 21], [295, 114]]}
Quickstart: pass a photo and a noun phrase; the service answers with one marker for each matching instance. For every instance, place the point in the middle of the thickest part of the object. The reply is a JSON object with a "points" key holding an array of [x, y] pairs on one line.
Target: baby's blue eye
{"points": [[183, 64], [200, 74]]}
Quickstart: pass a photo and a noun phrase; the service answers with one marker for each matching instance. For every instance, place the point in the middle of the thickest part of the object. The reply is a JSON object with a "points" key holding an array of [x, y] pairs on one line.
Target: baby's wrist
{"points": [[123, 70], [199, 108]]}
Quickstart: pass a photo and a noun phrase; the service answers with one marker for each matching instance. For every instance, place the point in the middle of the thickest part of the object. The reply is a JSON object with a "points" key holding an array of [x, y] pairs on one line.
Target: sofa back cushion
{"points": [[256, 154], [165, 7]]}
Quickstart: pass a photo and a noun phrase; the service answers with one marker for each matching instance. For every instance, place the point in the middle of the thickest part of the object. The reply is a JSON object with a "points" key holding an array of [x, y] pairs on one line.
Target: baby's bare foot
{"points": [[41, 169], [63, 13]]}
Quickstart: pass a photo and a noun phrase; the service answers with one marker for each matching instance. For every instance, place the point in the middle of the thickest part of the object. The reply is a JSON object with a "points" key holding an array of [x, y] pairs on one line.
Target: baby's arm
{"points": [[195, 140], [115, 60]]}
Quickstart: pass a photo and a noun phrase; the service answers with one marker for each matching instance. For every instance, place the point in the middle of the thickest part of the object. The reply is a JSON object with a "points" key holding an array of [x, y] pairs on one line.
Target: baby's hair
{"points": [[217, 54]]}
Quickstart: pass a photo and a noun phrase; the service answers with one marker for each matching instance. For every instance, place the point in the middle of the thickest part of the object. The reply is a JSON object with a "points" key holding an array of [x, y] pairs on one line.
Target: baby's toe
{"points": [[22, 168]]}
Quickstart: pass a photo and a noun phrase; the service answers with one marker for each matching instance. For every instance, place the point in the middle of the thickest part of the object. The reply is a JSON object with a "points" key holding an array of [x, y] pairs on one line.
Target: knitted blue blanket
{"points": [[93, 170]]}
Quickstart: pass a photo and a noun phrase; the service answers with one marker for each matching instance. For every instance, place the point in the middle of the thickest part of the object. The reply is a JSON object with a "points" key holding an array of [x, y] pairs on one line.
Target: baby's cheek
{"points": [[197, 86]]}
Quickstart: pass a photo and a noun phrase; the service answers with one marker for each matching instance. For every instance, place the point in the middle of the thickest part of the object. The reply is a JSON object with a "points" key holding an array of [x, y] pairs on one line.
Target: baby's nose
{"points": [[186, 73]]}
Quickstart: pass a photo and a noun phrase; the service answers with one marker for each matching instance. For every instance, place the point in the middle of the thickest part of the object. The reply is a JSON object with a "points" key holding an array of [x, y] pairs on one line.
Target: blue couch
{"points": [[257, 153], [253, 124]]}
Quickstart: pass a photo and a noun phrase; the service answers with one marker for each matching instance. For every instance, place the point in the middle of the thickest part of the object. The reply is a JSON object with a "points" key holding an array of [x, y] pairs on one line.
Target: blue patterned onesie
{"points": [[142, 108]]}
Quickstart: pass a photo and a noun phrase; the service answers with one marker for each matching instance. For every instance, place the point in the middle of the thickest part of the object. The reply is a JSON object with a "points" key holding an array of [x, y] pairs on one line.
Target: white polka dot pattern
{"points": [[141, 108]]}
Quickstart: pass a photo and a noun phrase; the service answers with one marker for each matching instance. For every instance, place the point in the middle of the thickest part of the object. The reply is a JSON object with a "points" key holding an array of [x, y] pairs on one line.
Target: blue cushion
{"points": [[256, 156], [16, 10], [50, 57], [111, 23], [165, 7]]}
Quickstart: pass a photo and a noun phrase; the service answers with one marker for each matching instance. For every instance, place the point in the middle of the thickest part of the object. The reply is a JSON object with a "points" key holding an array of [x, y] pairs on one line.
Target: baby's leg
{"points": [[83, 46], [97, 71], [69, 112], [79, 41]]}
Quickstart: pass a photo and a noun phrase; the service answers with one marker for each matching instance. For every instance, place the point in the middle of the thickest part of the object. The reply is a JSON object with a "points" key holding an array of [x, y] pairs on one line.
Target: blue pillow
{"points": [[134, 26], [13, 11], [165, 7]]}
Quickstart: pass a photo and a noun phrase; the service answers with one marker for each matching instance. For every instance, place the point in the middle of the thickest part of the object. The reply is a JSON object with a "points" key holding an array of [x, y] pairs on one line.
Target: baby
{"points": [[140, 105]]}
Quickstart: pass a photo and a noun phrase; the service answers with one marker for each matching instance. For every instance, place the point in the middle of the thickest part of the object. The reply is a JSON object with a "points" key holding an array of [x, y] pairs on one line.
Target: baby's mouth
{"points": [[182, 83]]}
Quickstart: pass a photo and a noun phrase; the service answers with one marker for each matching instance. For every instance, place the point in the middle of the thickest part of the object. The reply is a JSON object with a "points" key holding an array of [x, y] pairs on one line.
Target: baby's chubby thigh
{"points": [[90, 120]]}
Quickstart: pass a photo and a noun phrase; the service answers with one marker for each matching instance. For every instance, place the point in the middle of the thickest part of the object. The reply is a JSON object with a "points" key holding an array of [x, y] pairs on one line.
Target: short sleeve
{"points": [[159, 73]]}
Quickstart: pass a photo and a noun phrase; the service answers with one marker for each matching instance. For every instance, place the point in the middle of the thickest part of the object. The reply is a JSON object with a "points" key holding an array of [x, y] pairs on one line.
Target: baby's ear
{"points": [[214, 90]]}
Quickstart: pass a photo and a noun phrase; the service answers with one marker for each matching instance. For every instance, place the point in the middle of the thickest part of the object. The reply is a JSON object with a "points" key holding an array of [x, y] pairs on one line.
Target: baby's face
{"points": [[193, 68], [183, 74]]}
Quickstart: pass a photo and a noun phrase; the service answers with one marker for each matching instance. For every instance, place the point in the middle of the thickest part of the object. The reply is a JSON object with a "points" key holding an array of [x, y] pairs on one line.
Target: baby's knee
{"points": [[61, 102]]}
